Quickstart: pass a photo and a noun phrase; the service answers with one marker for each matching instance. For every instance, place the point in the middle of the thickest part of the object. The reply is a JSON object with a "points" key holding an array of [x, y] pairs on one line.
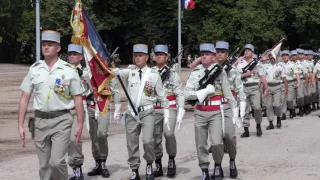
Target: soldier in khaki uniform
{"points": [[99, 125], [307, 96], [145, 88], [316, 77], [251, 81], [57, 89], [275, 76], [293, 79], [302, 98], [76, 157], [174, 93], [237, 89], [313, 91], [211, 102]]}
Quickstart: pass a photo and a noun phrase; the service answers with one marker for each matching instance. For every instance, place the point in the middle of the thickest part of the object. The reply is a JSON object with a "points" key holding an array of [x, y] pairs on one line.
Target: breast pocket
{"points": [[37, 84]]}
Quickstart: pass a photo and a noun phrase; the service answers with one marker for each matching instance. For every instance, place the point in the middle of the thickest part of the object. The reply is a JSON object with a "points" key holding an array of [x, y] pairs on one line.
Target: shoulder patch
{"points": [[195, 70], [35, 64]]}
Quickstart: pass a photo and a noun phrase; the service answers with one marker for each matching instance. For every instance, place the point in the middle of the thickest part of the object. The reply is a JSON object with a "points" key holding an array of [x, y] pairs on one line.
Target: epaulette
{"points": [[195, 70], [35, 64], [70, 65], [154, 70]]}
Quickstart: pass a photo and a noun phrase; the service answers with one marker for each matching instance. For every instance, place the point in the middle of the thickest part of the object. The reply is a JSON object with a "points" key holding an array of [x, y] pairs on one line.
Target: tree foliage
{"points": [[124, 23]]}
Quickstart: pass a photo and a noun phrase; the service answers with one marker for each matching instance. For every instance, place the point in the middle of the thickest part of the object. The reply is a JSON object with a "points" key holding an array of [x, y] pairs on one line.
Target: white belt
{"points": [[211, 103], [173, 102]]}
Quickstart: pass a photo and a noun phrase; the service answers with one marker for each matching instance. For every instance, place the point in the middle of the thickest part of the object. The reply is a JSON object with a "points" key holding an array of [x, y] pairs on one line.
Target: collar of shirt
{"points": [[59, 64], [143, 69]]}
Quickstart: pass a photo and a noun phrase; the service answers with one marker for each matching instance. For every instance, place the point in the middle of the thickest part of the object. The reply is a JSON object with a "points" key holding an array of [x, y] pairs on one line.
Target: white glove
{"points": [[235, 117], [116, 71], [203, 93], [117, 114], [181, 112], [166, 115], [242, 109], [96, 112]]}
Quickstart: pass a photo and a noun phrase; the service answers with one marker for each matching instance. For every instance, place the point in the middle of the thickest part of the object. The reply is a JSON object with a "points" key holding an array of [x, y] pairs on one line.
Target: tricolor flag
{"points": [[187, 4], [95, 54]]}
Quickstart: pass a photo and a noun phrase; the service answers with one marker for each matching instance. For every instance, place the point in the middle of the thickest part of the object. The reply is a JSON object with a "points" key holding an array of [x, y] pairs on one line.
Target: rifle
{"points": [[316, 59], [227, 65], [206, 80], [165, 75]]}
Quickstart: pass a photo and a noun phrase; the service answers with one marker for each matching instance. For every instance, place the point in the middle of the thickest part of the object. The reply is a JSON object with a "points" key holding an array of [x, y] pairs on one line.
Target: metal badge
{"points": [[133, 74]]}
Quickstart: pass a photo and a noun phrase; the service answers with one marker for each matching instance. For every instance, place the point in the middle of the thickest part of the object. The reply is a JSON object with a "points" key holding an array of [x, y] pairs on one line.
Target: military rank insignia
{"points": [[149, 88]]}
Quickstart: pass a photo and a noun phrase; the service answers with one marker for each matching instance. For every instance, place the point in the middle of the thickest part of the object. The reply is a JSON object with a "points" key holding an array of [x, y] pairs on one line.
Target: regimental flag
{"points": [[187, 4], [275, 52], [95, 54]]}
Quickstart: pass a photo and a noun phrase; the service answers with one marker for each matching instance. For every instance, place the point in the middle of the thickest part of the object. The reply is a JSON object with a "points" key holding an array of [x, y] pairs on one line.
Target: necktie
{"points": [[140, 72], [206, 73]]}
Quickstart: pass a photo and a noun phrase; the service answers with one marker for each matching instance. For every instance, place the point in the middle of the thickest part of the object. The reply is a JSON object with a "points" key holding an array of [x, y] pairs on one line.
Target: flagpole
{"points": [[37, 30], [179, 34]]}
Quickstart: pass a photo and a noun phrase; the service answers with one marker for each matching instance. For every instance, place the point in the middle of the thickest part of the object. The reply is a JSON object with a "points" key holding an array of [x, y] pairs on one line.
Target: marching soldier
{"points": [[274, 76], [263, 62], [316, 77], [57, 89], [99, 125], [251, 84], [313, 91], [211, 102], [307, 96], [76, 157], [304, 78], [174, 92], [145, 88], [293, 79], [237, 89]]}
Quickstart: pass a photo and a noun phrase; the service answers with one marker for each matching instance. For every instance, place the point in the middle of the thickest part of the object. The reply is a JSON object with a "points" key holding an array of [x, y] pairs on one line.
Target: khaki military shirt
{"points": [[221, 85], [52, 89], [173, 86], [234, 78], [316, 69], [113, 86], [302, 70], [289, 70], [274, 73], [153, 88], [307, 66], [257, 71]]}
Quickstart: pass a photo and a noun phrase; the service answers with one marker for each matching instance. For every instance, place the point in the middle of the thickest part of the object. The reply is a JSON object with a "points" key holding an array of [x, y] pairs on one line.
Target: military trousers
{"points": [[263, 98], [307, 95], [253, 99], [292, 88], [99, 134], [75, 156], [208, 123], [133, 131], [52, 139], [160, 128], [314, 95], [300, 94], [284, 99], [274, 101]]}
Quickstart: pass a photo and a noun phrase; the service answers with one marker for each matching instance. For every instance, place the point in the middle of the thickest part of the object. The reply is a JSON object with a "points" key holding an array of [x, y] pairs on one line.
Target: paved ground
{"points": [[291, 152]]}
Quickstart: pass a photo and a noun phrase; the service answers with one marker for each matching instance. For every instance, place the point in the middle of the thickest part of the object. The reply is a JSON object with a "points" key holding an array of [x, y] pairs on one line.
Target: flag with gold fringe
{"points": [[95, 53]]}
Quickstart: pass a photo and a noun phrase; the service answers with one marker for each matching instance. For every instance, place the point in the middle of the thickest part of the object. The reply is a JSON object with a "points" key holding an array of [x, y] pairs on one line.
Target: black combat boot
{"points": [[300, 113], [278, 122], [233, 169], [96, 170], [149, 172], [205, 174], [264, 113], [158, 172], [291, 113], [284, 117], [270, 125], [104, 171], [135, 175], [225, 149], [294, 112], [171, 168], [217, 172], [77, 174], [314, 107], [245, 133], [259, 131], [318, 107]]}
